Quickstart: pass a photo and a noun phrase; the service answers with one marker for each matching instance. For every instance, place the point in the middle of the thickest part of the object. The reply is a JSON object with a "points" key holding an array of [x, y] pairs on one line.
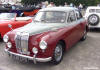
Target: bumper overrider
{"points": [[29, 57]]}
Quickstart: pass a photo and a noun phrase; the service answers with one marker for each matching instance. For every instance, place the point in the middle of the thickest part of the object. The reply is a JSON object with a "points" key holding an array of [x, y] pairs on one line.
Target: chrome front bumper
{"points": [[30, 58]]}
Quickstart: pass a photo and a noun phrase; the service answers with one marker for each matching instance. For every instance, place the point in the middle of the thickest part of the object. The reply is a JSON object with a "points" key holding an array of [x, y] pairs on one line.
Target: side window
{"points": [[71, 16], [78, 14]]}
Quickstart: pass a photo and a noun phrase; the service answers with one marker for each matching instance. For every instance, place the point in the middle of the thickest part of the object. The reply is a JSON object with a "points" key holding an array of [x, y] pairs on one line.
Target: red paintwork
{"points": [[15, 24], [70, 35], [31, 13]]}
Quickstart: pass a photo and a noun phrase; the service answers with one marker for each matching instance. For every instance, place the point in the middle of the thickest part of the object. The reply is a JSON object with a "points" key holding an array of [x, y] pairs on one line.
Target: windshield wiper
{"points": [[43, 20], [36, 21], [39, 21]]}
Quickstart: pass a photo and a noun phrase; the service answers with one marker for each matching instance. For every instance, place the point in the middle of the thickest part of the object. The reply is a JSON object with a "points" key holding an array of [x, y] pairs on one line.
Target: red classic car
{"points": [[10, 18], [53, 31], [30, 13]]}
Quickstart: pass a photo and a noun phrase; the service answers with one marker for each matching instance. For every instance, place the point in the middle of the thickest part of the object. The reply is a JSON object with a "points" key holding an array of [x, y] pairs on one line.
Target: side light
{"points": [[9, 45], [35, 50]]}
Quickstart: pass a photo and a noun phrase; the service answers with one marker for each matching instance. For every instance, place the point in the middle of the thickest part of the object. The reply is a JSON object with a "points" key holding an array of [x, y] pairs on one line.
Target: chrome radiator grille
{"points": [[21, 41]]}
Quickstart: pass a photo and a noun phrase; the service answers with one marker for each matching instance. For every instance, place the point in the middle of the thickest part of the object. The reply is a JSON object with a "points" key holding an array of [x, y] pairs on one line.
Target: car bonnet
{"points": [[37, 28]]}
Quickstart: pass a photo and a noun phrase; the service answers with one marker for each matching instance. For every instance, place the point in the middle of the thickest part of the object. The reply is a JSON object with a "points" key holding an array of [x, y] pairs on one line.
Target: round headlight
{"points": [[9, 44], [43, 45], [35, 50], [5, 38]]}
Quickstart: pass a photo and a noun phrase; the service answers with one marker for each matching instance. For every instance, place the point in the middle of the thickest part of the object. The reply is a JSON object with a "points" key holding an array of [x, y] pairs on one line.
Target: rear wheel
{"points": [[84, 35], [58, 53]]}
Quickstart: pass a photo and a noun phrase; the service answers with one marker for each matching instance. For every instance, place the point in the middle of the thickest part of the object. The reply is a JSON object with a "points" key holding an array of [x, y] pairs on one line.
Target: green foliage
{"points": [[61, 2], [29, 1]]}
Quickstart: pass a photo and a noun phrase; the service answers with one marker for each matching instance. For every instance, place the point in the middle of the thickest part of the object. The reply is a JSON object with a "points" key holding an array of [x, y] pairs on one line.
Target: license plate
{"points": [[19, 58]]}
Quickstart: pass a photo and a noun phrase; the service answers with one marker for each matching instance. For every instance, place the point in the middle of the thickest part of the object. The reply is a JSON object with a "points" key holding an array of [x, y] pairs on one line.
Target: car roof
{"points": [[65, 9], [93, 7]]}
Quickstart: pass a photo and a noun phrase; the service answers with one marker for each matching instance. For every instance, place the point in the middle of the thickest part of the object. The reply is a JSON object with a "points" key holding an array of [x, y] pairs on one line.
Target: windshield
{"points": [[50, 17], [7, 16]]}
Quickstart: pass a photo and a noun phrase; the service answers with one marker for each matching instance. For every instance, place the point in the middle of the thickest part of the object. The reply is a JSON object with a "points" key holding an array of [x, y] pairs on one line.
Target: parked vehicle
{"points": [[53, 31], [25, 10], [10, 18], [19, 9], [31, 13], [93, 16]]}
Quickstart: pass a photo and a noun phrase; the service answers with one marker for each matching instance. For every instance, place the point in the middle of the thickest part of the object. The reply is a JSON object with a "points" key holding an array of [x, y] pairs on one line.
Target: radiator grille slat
{"points": [[18, 43]]}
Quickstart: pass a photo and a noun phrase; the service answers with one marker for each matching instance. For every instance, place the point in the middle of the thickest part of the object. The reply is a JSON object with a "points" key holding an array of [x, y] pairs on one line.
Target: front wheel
{"points": [[58, 54]]}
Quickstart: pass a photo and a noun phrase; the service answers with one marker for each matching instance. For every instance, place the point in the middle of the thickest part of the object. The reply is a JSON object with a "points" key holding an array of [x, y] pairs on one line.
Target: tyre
{"points": [[84, 35], [1, 38], [93, 19], [58, 53]]}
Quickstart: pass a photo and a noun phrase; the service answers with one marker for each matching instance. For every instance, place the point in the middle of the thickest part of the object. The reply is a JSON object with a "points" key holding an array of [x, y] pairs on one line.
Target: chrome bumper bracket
{"points": [[34, 59]]}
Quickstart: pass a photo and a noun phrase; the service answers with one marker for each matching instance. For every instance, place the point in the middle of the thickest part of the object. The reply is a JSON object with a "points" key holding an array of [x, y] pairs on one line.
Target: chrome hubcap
{"points": [[93, 19], [58, 53]]}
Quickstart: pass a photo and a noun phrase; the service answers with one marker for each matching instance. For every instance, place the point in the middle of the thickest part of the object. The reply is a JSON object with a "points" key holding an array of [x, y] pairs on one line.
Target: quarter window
{"points": [[78, 14], [71, 16]]}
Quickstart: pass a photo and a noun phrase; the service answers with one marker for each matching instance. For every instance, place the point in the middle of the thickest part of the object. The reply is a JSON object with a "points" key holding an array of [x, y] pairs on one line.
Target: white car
{"points": [[93, 16]]}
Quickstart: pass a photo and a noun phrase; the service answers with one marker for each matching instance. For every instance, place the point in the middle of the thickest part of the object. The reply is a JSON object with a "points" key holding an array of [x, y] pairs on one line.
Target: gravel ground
{"points": [[83, 56]]}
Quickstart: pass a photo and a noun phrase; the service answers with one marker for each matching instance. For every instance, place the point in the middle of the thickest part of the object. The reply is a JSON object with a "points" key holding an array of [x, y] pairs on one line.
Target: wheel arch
{"points": [[87, 28], [63, 43]]}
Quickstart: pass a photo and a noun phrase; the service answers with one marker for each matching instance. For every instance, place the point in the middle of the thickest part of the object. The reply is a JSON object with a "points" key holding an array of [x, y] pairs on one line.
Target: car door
{"points": [[81, 23], [73, 30]]}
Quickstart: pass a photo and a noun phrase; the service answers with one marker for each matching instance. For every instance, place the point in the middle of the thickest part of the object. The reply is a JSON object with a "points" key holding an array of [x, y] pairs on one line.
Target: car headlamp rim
{"points": [[43, 44], [5, 38]]}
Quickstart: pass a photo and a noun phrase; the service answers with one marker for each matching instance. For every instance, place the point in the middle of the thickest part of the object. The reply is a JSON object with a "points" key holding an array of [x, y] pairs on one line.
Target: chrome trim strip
{"points": [[30, 58]]}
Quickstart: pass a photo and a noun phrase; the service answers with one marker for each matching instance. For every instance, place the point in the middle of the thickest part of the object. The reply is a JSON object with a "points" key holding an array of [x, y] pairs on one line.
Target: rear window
{"points": [[98, 10], [94, 10]]}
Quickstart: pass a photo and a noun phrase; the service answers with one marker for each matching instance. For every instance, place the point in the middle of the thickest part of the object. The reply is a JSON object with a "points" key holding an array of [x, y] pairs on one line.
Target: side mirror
{"points": [[10, 26]]}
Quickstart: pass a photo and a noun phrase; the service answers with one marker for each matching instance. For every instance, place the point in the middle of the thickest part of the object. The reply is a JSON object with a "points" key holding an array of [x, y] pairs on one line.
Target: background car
{"points": [[53, 31], [93, 16], [26, 10], [10, 18]]}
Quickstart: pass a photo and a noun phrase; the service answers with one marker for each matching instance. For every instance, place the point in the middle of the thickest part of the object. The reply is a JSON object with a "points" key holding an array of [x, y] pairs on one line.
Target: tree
{"points": [[61, 2], [29, 2]]}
